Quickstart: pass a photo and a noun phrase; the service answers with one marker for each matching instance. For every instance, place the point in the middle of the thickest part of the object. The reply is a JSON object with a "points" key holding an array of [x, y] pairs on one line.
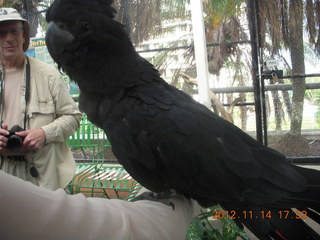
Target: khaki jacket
{"points": [[51, 108]]}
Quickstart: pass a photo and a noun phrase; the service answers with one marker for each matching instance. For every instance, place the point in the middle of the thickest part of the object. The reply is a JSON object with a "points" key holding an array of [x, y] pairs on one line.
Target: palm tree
{"points": [[222, 25], [143, 18], [27, 8], [283, 21]]}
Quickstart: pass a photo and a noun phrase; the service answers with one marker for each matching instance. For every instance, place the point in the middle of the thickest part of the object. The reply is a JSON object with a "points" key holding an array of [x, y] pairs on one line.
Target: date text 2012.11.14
{"points": [[281, 214]]}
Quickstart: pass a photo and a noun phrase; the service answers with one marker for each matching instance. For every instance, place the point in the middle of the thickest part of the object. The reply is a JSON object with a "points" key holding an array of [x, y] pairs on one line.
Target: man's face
{"points": [[11, 39]]}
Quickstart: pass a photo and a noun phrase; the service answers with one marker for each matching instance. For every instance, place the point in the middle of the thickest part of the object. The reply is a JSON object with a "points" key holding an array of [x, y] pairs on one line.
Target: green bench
{"points": [[93, 176], [102, 180]]}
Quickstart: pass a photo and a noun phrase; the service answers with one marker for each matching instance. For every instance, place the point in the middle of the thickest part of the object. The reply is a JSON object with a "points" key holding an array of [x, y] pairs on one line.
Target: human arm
{"points": [[9, 151], [30, 212], [64, 125], [53, 115], [51, 107]]}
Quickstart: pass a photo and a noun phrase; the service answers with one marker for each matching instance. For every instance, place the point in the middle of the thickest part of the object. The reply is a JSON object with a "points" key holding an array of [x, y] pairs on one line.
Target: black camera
{"points": [[14, 141]]}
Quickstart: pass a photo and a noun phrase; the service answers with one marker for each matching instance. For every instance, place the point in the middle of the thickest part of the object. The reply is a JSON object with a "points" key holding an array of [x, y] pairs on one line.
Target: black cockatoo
{"points": [[165, 139]]}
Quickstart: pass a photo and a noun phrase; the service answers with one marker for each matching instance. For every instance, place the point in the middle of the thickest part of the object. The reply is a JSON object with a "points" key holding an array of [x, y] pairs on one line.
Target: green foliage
{"points": [[174, 9], [313, 96], [219, 10], [202, 228], [317, 116]]}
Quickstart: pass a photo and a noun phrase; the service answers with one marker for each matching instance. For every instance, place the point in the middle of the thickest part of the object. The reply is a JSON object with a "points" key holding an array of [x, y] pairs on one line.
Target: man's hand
{"points": [[3, 139], [34, 139]]}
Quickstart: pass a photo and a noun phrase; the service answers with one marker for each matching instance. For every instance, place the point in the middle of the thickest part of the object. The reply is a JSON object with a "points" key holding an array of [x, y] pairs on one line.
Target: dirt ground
{"points": [[314, 148], [310, 148]]}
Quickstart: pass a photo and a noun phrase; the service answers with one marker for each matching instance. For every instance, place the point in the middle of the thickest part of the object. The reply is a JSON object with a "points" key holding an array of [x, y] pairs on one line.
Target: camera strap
{"points": [[33, 171], [1, 92], [27, 93]]}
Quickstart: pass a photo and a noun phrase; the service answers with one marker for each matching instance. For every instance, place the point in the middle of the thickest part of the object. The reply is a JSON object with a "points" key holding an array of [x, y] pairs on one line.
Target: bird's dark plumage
{"points": [[164, 138]]}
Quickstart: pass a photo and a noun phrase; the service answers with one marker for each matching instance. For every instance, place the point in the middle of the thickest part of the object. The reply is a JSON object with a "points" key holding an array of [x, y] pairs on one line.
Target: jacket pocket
{"points": [[45, 106], [41, 113]]}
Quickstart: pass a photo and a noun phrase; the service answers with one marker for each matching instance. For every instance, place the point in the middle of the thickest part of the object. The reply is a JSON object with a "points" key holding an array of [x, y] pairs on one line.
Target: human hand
{"points": [[3, 139], [4, 150], [34, 139]]}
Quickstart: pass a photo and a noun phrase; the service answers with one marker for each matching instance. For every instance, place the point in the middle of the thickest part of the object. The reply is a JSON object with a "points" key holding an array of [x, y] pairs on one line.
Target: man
{"points": [[33, 96]]}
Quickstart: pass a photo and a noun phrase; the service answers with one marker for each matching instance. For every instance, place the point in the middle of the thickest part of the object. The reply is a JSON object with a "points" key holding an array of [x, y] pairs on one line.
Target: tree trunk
{"points": [[278, 112], [293, 143], [32, 17], [298, 67], [126, 16]]}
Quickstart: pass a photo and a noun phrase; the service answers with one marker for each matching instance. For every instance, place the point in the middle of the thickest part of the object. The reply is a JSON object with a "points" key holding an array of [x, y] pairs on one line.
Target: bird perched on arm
{"points": [[165, 139]]}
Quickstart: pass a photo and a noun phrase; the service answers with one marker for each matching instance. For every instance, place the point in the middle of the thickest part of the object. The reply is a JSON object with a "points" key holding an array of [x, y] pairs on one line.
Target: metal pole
{"points": [[255, 69], [200, 52], [261, 79], [269, 87]]}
